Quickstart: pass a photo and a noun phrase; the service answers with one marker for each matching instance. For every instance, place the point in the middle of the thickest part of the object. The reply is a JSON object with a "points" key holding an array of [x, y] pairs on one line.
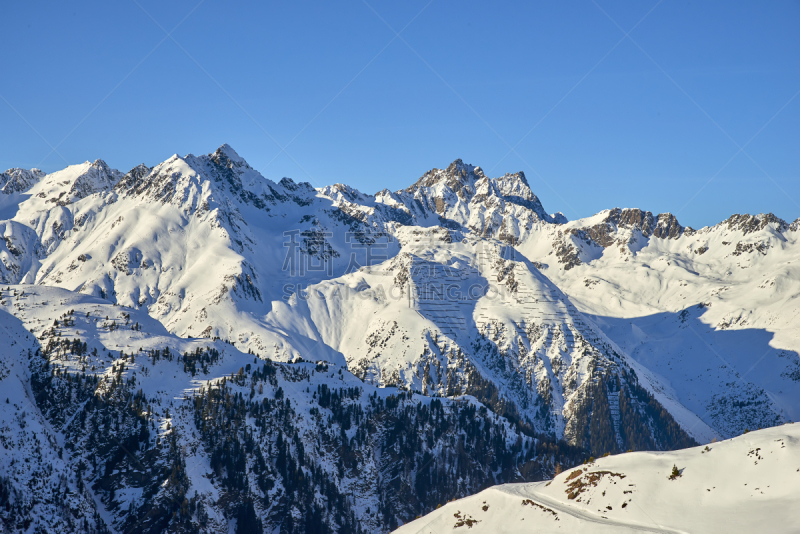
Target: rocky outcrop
{"points": [[99, 177], [17, 180], [748, 224], [664, 226], [619, 227], [458, 177], [133, 177]]}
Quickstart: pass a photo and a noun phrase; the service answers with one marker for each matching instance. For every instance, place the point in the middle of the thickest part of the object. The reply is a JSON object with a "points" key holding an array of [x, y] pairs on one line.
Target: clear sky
{"points": [[696, 112]]}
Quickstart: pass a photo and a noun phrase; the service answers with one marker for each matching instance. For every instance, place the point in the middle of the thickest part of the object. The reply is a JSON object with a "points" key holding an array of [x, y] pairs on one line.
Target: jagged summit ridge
{"points": [[228, 151], [458, 196], [470, 185], [459, 177], [211, 179], [17, 180]]}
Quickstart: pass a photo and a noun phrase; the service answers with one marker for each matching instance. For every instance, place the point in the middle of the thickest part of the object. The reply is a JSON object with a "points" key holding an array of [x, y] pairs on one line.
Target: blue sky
{"points": [[595, 119]]}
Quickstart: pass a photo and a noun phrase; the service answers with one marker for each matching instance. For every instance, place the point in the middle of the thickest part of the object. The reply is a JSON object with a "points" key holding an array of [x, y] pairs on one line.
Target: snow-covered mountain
{"points": [[112, 424], [713, 311], [620, 331], [745, 484]]}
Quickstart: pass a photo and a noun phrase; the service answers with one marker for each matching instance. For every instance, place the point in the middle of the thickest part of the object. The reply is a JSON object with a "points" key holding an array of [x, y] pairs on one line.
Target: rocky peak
{"points": [[664, 226], [101, 165], [97, 178], [226, 156], [288, 184], [516, 179], [159, 182], [632, 218], [459, 177], [339, 192], [668, 227], [753, 223], [512, 189], [247, 185], [605, 233], [133, 177], [211, 179], [17, 180], [140, 171], [462, 195], [301, 193], [459, 168], [226, 166]]}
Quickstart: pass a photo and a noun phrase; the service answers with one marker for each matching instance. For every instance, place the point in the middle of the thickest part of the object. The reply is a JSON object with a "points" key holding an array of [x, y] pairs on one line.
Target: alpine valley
{"points": [[195, 348]]}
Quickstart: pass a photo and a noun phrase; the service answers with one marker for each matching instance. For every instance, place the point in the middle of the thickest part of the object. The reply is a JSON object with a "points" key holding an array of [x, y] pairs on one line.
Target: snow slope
{"points": [[746, 484], [451, 310], [212, 249]]}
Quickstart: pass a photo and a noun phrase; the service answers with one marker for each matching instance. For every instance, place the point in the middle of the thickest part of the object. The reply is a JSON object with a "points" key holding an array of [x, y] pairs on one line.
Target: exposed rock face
{"points": [[17, 180], [665, 226], [621, 228], [133, 177], [98, 178], [342, 192], [753, 223], [458, 177], [462, 196], [568, 246]]}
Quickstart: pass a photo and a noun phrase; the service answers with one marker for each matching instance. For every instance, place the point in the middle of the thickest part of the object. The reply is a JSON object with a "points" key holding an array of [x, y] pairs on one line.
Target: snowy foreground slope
{"points": [[746, 484]]}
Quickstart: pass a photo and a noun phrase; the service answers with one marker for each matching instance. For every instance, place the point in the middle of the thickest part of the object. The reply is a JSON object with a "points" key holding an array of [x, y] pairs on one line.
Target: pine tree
{"points": [[675, 472]]}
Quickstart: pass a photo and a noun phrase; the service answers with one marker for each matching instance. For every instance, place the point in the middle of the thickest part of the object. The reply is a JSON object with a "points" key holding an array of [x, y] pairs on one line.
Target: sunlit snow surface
{"points": [[746, 484]]}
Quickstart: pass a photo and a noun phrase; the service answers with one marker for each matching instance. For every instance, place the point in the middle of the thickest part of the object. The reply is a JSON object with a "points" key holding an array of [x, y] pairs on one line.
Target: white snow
{"points": [[746, 484]]}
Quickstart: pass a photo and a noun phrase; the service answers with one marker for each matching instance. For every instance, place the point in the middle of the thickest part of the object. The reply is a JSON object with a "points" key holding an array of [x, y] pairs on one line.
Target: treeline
{"points": [[288, 451], [110, 432], [291, 468], [640, 423]]}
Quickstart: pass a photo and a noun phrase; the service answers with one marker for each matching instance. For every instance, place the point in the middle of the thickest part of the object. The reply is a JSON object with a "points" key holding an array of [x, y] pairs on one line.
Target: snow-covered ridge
{"points": [[746, 484], [194, 179], [460, 195], [17, 180]]}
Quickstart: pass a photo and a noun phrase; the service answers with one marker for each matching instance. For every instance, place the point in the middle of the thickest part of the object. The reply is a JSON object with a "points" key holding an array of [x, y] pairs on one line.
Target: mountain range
{"points": [[348, 361]]}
